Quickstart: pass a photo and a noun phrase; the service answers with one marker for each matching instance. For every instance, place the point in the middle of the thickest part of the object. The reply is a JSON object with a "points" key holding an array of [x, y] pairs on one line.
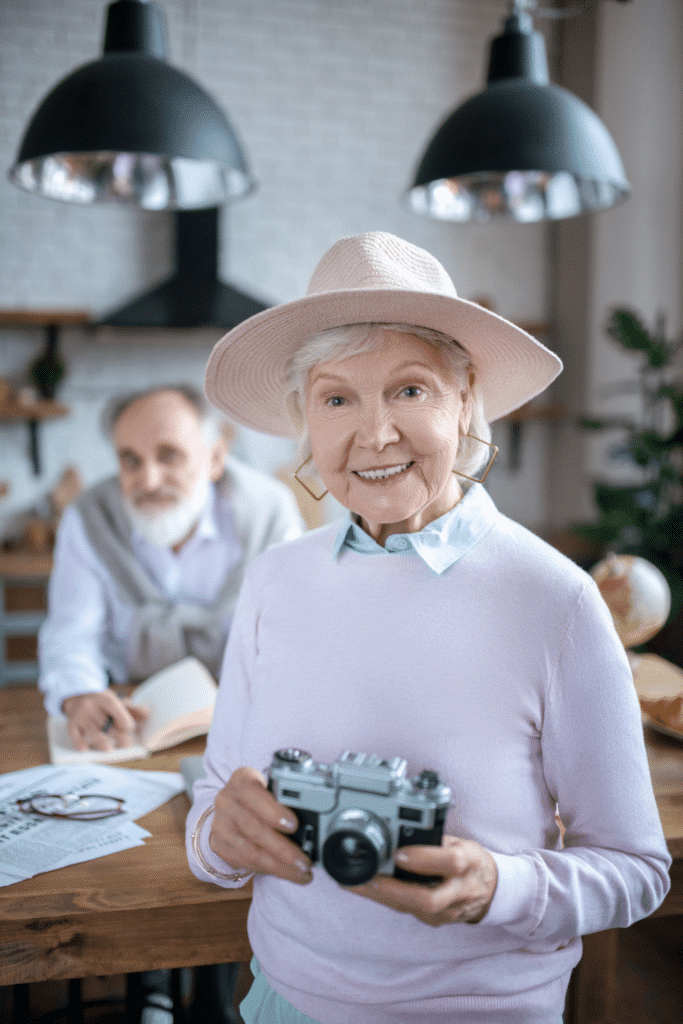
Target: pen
{"points": [[108, 724]]}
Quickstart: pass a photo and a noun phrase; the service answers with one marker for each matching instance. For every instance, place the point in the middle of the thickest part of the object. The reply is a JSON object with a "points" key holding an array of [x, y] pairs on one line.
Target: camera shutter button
{"points": [[427, 779]]}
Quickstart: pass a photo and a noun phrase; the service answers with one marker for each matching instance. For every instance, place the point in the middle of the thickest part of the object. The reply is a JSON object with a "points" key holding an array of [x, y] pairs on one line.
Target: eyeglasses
{"points": [[74, 806]]}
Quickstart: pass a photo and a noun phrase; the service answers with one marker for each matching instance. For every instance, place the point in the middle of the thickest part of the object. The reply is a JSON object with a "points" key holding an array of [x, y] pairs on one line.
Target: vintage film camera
{"points": [[354, 814]]}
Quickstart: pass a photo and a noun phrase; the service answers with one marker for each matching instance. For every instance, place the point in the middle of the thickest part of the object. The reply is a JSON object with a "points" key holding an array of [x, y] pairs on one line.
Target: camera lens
{"points": [[350, 858], [355, 848]]}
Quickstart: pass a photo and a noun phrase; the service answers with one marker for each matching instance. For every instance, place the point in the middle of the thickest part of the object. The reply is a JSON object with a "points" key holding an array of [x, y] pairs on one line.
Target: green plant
{"points": [[646, 517]]}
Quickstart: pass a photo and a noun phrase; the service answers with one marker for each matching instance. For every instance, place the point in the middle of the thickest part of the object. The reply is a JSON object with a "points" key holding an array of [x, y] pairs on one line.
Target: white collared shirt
{"points": [[84, 638], [439, 544]]}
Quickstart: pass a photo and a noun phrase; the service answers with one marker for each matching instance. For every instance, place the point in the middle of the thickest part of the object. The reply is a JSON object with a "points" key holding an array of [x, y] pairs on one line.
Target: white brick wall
{"points": [[334, 101]]}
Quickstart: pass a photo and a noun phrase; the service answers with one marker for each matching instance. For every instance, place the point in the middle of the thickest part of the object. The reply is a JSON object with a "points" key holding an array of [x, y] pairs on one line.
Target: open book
{"points": [[181, 700]]}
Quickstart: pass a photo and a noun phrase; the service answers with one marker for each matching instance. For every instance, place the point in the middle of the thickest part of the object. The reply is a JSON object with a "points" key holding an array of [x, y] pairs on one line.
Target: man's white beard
{"points": [[169, 527]]}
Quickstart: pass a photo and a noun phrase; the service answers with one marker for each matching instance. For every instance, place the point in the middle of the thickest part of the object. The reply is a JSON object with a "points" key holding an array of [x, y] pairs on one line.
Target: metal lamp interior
{"points": [[130, 128], [523, 149]]}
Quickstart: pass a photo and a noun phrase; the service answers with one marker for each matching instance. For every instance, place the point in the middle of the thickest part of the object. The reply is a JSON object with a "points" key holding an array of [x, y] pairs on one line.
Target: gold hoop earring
{"points": [[316, 497], [493, 451]]}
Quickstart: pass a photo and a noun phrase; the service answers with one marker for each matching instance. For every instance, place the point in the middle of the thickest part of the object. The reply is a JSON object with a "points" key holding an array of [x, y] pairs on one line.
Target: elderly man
{"points": [[148, 563]]}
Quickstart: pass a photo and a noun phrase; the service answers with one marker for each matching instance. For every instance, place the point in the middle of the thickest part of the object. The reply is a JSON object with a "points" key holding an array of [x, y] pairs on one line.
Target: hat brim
{"points": [[245, 374]]}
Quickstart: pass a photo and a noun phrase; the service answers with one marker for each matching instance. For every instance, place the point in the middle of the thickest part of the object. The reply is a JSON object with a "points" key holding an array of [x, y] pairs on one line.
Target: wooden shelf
{"points": [[43, 409], [51, 321], [44, 317], [532, 411], [534, 327], [33, 415], [24, 564]]}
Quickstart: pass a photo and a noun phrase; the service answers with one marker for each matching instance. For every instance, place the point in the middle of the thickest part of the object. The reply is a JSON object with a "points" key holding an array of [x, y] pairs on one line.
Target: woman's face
{"points": [[384, 429]]}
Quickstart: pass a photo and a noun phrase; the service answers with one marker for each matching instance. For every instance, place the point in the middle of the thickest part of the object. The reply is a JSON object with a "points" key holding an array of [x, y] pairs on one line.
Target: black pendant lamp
{"points": [[130, 128], [522, 149]]}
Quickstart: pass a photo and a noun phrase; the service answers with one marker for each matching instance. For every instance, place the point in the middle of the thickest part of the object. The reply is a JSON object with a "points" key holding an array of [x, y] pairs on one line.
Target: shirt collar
{"points": [[439, 544], [207, 527]]}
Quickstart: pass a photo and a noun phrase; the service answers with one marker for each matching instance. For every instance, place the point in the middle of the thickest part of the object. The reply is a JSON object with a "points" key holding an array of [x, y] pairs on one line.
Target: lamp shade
{"points": [[523, 148], [131, 128]]}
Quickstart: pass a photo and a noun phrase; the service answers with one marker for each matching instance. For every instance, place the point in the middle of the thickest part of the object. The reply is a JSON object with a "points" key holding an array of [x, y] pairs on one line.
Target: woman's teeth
{"points": [[382, 474]]}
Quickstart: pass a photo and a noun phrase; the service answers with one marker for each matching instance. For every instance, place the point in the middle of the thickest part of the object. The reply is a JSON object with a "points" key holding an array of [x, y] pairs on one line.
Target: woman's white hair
{"points": [[343, 342]]}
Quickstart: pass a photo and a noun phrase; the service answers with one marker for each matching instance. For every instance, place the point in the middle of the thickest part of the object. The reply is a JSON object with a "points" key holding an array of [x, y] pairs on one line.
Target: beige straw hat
{"points": [[372, 278]]}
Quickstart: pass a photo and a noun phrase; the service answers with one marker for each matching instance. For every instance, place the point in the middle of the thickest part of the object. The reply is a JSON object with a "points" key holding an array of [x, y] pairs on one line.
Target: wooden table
{"points": [[142, 908], [139, 909], [592, 991]]}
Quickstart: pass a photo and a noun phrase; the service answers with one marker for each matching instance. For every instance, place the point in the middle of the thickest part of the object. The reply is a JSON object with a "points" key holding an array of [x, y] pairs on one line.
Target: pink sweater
{"points": [[505, 675]]}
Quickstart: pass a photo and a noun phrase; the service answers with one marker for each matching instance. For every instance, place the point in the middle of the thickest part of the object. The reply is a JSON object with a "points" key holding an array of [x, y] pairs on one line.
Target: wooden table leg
{"points": [[593, 988]]}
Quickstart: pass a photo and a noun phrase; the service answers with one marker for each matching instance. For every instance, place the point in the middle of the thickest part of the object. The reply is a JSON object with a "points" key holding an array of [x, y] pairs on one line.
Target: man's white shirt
{"points": [[85, 635]]}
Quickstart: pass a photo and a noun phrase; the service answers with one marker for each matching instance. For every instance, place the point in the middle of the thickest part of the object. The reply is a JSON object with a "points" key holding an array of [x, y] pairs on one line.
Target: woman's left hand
{"points": [[469, 876]]}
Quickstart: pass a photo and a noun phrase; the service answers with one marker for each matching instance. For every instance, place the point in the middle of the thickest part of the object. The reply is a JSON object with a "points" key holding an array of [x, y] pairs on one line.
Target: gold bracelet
{"points": [[233, 876]]}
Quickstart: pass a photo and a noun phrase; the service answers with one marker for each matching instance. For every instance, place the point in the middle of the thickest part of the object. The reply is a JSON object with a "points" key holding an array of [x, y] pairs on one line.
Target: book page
{"points": [[181, 700]]}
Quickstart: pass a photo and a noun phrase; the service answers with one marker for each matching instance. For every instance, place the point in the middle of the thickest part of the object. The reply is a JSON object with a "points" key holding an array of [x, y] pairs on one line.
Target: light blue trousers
{"points": [[264, 1006]]}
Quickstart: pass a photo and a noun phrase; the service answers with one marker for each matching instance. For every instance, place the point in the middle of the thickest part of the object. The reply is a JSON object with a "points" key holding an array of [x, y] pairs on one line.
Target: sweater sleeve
{"points": [[613, 868], [222, 748]]}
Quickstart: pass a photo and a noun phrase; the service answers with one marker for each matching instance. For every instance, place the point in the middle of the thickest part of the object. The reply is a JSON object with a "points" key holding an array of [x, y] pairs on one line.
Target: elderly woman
{"points": [[426, 626]]}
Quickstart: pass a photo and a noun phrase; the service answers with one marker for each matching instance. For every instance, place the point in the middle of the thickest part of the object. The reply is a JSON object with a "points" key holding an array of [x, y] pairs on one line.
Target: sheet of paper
{"points": [[124, 838], [9, 879], [30, 844], [142, 791]]}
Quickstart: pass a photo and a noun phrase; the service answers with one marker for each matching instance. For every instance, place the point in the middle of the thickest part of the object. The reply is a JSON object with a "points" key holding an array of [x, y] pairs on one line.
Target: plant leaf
{"points": [[626, 328]]}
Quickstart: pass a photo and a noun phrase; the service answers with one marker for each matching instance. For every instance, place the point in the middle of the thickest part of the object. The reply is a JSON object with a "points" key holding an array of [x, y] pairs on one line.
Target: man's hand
{"points": [[101, 721], [469, 876], [248, 826]]}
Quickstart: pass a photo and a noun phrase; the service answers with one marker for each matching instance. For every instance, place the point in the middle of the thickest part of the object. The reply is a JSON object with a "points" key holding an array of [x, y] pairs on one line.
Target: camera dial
{"points": [[293, 756], [356, 846], [427, 779]]}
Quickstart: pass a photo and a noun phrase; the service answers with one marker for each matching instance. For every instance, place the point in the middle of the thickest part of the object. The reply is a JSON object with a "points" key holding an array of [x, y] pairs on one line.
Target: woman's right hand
{"points": [[249, 830]]}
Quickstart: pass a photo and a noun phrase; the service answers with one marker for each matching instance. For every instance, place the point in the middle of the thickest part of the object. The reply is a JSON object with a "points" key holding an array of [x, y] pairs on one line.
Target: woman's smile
{"points": [[382, 472]]}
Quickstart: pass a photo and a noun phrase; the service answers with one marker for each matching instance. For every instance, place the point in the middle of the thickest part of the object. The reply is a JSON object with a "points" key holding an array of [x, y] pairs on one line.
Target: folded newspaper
{"points": [[30, 844]]}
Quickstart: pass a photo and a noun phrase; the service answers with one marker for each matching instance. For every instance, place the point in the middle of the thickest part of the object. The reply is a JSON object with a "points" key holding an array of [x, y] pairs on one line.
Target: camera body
{"points": [[354, 814]]}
